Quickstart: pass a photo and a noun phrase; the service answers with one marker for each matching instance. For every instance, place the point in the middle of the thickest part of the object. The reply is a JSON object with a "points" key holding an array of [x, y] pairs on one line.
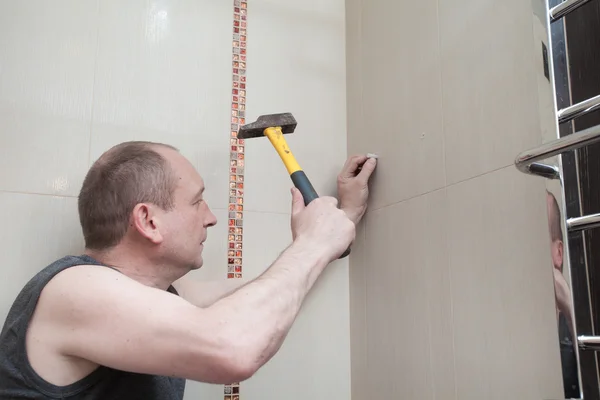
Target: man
{"points": [[123, 322], [564, 307]]}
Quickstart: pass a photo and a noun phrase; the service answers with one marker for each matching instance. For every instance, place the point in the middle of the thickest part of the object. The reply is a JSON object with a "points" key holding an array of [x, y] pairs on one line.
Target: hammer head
{"points": [[286, 121]]}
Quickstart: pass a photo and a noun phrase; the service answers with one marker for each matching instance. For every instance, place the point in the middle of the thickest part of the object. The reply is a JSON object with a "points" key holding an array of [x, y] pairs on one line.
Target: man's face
{"points": [[185, 226], [556, 246]]}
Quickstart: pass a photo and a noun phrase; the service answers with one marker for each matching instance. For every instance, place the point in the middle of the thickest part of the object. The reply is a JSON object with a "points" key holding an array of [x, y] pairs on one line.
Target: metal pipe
{"points": [[579, 109], [544, 170], [564, 8], [589, 342], [524, 161], [582, 223]]}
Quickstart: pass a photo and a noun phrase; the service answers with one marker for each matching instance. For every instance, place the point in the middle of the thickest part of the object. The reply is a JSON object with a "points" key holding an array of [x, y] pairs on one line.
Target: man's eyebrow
{"points": [[199, 194]]}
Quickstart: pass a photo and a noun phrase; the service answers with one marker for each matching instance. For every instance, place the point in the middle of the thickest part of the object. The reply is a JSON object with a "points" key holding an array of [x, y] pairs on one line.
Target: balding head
{"points": [[125, 175]]}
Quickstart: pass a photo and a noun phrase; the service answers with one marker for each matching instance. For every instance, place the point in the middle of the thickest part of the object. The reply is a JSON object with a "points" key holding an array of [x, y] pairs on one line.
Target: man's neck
{"points": [[137, 267]]}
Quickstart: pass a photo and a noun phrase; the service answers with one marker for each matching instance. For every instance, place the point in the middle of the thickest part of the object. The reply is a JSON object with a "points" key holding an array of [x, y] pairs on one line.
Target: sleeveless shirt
{"points": [[19, 381]]}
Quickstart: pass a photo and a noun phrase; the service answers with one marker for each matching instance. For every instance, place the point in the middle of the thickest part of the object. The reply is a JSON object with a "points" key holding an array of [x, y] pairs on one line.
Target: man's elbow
{"points": [[241, 371], [235, 366], [229, 360]]}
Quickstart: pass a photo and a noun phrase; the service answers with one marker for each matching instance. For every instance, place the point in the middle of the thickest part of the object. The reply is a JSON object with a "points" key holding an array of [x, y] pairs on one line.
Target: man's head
{"points": [[556, 232], [146, 197]]}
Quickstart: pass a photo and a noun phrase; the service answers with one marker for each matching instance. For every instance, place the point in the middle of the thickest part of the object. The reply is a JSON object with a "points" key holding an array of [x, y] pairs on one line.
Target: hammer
{"points": [[274, 126]]}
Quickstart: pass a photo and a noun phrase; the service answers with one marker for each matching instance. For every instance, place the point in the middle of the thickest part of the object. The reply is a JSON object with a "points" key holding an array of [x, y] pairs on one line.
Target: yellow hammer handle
{"points": [[278, 141]]}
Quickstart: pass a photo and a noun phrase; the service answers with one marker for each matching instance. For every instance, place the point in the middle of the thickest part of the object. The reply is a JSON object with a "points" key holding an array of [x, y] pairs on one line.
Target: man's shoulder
{"points": [[85, 281]]}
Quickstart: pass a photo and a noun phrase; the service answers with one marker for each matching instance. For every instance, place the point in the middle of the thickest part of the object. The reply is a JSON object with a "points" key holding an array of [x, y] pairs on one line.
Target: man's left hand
{"points": [[353, 186]]}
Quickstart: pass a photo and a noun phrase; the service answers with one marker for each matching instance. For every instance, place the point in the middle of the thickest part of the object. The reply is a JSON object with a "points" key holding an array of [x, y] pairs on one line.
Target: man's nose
{"points": [[211, 219]]}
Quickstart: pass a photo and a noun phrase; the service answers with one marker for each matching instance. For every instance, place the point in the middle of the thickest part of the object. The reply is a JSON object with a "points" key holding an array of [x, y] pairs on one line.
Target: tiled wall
{"points": [[451, 293], [78, 76]]}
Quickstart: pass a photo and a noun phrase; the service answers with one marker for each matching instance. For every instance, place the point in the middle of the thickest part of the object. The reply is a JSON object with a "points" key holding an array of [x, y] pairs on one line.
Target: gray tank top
{"points": [[19, 381]]}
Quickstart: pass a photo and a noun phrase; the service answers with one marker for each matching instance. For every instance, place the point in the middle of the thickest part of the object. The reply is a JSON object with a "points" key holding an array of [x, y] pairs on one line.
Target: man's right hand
{"points": [[321, 225]]}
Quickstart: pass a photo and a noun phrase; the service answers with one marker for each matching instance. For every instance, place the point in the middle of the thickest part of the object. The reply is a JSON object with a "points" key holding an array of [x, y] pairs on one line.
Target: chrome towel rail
{"points": [[564, 8], [525, 161], [544, 170], [583, 223], [579, 109], [589, 342]]}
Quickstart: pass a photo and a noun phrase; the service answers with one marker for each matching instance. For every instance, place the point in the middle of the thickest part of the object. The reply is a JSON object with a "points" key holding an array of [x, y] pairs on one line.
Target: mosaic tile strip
{"points": [[236, 163], [236, 160]]}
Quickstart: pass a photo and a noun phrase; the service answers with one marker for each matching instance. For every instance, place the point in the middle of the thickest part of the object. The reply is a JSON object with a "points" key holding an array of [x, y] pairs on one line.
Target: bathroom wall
{"points": [[449, 286], [451, 293], [78, 76]]}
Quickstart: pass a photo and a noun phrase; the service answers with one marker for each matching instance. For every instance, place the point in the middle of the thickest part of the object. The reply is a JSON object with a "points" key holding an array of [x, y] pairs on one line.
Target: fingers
{"points": [[367, 169], [351, 166], [297, 201]]}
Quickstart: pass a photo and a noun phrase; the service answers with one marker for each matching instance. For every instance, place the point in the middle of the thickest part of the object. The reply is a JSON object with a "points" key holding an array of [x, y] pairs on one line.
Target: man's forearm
{"points": [[262, 312]]}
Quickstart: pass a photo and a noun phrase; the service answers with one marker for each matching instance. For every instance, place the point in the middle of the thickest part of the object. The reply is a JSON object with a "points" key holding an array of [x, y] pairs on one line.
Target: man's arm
{"points": [[100, 315], [205, 293]]}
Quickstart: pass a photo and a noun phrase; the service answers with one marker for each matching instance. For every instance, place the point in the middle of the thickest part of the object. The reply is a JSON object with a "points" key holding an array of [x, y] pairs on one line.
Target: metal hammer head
{"points": [[286, 121]]}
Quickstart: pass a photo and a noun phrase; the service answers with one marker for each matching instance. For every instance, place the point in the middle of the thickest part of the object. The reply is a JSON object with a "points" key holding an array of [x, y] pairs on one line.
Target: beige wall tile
{"points": [[165, 66], [44, 154], [164, 74], [409, 313], [47, 61], [489, 84], [357, 137], [197, 390], [504, 317], [401, 99], [37, 231], [314, 361], [296, 63]]}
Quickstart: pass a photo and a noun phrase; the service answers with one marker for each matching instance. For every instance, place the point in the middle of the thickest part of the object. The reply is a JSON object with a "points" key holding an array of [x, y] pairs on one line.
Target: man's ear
{"points": [[558, 254], [146, 222]]}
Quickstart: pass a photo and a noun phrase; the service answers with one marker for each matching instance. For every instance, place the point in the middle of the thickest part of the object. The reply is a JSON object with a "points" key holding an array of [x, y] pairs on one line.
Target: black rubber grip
{"points": [[309, 193], [304, 186]]}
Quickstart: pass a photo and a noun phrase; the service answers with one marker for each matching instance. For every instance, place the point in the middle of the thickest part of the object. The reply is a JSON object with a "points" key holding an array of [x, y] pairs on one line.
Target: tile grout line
{"points": [[236, 158], [62, 196], [443, 187]]}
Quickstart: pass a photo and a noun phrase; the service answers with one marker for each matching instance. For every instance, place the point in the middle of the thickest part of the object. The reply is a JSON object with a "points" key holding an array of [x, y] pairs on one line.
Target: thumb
{"points": [[367, 169], [297, 201]]}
